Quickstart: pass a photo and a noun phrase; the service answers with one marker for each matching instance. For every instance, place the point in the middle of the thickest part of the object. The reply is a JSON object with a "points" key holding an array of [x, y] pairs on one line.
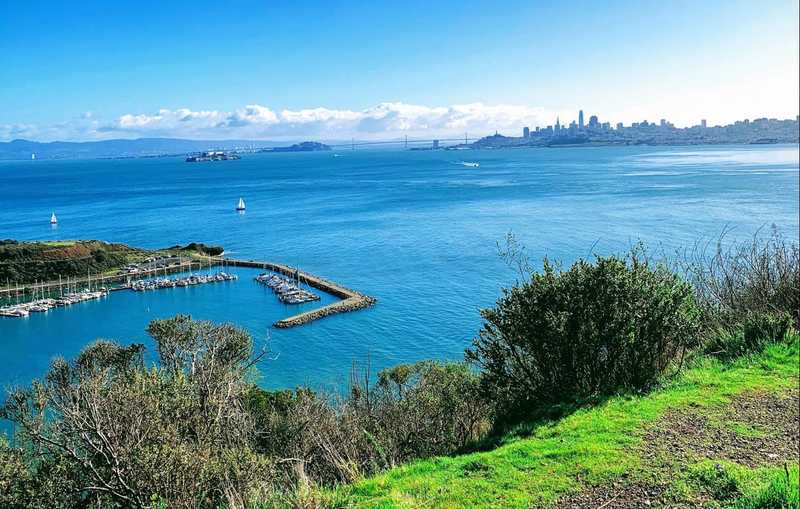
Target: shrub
{"points": [[739, 279], [120, 434], [614, 324], [753, 332], [413, 411], [430, 408]]}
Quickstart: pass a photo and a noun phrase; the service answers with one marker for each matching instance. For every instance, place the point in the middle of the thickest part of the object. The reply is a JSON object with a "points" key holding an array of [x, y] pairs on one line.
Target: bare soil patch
{"points": [[755, 429]]}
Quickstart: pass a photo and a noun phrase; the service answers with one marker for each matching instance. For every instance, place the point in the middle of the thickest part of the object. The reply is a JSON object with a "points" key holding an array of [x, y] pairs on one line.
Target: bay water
{"points": [[418, 230]]}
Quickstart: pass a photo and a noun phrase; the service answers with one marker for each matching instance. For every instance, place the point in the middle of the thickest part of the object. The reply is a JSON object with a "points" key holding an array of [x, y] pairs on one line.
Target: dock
{"points": [[351, 299]]}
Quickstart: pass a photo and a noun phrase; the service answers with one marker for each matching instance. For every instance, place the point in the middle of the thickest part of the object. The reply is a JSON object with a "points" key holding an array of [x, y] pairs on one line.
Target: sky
{"points": [[331, 69]]}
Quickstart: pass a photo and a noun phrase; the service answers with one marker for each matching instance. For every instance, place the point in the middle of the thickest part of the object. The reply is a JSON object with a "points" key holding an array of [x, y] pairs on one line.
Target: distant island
{"points": [[306, 146], [213, 155]]}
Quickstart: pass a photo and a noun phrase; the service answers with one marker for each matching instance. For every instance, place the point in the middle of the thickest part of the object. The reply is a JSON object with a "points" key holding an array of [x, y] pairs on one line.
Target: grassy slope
{"points": [[25, 262], [590, 446]]}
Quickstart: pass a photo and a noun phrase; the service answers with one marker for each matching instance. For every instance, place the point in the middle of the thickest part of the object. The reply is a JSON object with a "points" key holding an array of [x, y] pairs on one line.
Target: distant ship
{"points": [[471, 165], [240, 206], [33, 157], [214, 155], [53, 219]]}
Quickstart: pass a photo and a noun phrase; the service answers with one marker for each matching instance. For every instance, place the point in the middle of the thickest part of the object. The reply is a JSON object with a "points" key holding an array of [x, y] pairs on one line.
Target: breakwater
{"points": [[351, 299]]}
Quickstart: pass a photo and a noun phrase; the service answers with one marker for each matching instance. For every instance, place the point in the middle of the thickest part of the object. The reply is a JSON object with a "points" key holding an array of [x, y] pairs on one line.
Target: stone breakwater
{"points": [[351, 299]]}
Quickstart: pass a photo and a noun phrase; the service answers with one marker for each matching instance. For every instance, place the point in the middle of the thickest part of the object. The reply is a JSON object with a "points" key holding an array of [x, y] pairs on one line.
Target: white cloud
{"points": [[254, 121]]}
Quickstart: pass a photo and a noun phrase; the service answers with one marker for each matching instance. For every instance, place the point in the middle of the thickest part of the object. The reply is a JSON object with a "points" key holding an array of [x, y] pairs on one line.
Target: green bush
{"points": [[753, 332], [105, 430], [736, 280], [614, 324], [413, 411]]}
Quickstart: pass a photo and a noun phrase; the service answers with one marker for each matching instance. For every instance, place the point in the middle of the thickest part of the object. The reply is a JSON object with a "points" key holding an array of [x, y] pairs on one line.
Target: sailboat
{"points": [[240, 206], [53, 219]]}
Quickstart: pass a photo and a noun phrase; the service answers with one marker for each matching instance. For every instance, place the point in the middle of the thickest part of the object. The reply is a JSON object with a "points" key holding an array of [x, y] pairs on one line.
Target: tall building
{"points": [[703, 124], [593, 122], [558, 124], [526, 132], [663, 122], [580, 119], [619, 126]]}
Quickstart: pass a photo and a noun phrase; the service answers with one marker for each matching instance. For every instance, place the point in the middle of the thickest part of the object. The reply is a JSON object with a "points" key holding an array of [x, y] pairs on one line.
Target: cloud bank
{"points": [[384, 121]]}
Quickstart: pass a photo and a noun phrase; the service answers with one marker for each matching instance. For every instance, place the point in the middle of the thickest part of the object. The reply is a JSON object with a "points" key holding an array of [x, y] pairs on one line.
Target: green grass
{"points": [[588, 447], [733, 486]]}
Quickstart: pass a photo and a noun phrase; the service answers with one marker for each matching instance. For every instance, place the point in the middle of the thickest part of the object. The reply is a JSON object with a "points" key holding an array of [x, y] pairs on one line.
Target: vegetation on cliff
{"points": [[26, 262]]}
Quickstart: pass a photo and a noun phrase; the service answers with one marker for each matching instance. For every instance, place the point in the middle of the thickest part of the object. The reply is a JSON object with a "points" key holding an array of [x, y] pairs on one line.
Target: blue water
{"points": [[417, 230]]}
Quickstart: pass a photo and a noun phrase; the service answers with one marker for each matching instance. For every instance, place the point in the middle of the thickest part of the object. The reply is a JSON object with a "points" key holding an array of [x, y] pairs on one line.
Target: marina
{"points": [[46, 304], [287, 290], [283, 280], [143, 285]]}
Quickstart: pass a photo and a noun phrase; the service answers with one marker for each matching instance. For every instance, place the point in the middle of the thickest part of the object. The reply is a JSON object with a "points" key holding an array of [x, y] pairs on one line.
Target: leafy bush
{"points": [[120, 434], [754, 331], [600, 327], [738, 280], [413, 411]]}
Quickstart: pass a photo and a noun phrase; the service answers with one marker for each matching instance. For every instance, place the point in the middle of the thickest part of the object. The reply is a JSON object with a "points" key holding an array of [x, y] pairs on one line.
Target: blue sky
{"points": [[91, 69]]}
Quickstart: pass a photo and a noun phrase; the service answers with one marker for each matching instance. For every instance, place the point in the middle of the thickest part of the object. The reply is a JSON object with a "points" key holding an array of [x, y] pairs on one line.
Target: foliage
{"points": [[44, 261], [614, 324], [736, 279], [412, 411], [124, 435], [754, 332]]}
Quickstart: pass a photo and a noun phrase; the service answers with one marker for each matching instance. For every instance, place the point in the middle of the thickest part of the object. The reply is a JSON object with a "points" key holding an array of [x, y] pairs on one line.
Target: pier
{"points": [[351, 299]]}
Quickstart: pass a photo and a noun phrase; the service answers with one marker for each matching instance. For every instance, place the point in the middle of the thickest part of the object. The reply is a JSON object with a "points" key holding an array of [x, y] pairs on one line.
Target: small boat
{"points": [[469, 164], [53, 219], [240, 206]]}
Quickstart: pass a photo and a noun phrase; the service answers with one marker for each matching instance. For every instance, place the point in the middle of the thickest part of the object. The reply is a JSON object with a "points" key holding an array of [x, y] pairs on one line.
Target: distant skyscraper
{"points": [[526, 132], [593, 122], [663, 122], [558, 124], [703, 123], [580, 119], [619, 126]]}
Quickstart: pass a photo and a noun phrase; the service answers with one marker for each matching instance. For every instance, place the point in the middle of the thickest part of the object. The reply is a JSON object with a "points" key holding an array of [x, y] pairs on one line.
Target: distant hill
{"points": [[306, 146], [142, 147]]}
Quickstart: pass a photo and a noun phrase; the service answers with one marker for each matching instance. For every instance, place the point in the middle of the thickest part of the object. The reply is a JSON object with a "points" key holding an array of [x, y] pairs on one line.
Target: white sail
{"points": [[53, 219], [240, 205]]}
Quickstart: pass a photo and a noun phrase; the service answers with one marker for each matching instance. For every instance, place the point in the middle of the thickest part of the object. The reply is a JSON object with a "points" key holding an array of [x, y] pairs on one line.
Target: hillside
{"points": [[717, 436], [26, 262], [142, 147]]}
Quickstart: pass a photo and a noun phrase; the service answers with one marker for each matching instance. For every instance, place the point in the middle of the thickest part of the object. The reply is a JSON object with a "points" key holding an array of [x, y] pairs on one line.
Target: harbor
{"points": [[152, 274], [143, 285], [351, 300], [288, 291]]}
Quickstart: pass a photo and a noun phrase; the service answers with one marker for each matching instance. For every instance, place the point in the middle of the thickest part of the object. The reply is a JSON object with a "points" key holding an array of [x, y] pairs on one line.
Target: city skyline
{"points": [[260, 71]]}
